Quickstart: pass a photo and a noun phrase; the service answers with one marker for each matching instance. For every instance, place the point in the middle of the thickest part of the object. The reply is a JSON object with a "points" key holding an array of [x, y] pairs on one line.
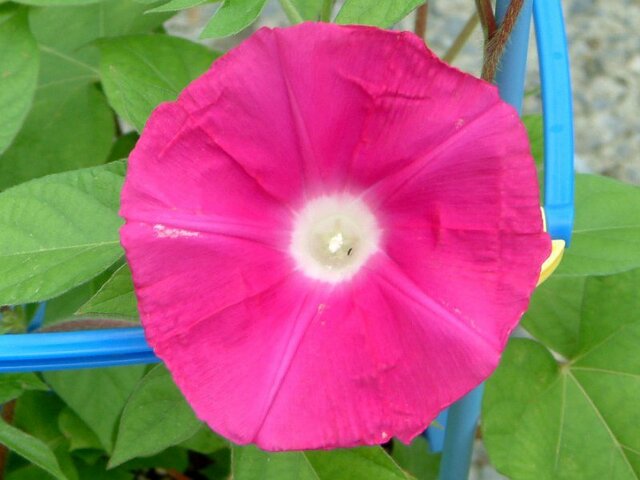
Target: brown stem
{"points": [[487, 18], [176, 475], [422, 13], [494, 48], [462, 38], [8, 411]]}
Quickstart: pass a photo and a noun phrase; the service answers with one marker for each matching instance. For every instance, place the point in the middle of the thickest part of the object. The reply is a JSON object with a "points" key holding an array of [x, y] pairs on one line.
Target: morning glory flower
{"points": [[332, 234]]}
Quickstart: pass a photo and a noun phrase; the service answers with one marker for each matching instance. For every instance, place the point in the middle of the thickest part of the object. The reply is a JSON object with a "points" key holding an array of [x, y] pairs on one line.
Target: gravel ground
{"points": [[605, 69]]}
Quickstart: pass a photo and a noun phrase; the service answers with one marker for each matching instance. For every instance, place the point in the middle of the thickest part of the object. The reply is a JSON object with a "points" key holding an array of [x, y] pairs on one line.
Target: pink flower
{"points": [[332, 234]]}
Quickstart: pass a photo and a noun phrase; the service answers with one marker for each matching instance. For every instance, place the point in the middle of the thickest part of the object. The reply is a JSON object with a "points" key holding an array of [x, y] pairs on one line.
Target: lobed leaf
{"points": [[606, 234], [577, 416]]}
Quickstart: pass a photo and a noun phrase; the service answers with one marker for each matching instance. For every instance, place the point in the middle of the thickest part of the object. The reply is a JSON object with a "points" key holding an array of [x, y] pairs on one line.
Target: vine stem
{"points": [[494, 47], [487, 18], [422, 13], [8, 412], [462, 38]]}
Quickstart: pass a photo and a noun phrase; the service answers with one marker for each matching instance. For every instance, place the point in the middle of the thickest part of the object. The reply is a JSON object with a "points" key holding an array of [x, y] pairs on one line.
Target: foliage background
{"points": [[78, 79]]}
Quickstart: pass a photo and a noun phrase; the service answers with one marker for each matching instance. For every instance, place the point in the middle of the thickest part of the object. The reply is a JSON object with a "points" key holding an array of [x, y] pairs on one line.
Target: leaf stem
{"points": [[422, 14], [291, 11], [462, 38], [327, 10]]}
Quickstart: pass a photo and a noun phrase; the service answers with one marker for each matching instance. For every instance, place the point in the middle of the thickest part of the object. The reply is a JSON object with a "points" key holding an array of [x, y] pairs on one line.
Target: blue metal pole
{"points": [[82, 349], [464, 414], [557, 106]]}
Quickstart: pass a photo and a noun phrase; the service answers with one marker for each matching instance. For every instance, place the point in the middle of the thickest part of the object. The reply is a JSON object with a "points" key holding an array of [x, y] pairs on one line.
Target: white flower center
{"points": [[333, 236]]}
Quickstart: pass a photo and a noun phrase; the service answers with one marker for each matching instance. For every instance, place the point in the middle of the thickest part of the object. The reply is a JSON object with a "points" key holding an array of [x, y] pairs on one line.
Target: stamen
{"points": [[333, 236]]}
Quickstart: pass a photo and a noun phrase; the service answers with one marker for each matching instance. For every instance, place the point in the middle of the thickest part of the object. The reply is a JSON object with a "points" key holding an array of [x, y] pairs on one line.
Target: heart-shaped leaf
{"points": [[577, 416]]}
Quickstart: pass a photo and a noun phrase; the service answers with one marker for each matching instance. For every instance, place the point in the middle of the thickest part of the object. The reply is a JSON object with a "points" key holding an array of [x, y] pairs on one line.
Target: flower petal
{"points": [[183, 276], [333, 368], [465, 224], [174, 172]]}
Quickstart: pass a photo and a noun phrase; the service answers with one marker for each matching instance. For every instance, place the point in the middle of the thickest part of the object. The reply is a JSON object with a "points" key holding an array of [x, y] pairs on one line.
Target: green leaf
{"points": [[606, 234], [58, 231], [156, 417], [172, 458], [308, 9], [62, 308], [249, 463], [123, 145], [576, 417], [18, 71], [381, 13], [56, 3], [232, 17], [80, 436], [35, 414], [115, 298], [417, 459], [97, 396], [83, 25], [13, 384], [175, 5], [140, 72], [205, 441], [98, 471], [534, 125], [34, 450], [69, 127], [554, 313]]}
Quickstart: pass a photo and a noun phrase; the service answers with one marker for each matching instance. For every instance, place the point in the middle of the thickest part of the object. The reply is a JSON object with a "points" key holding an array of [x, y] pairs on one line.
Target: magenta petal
{"points": [[184, 276], [343, 368], [171, 172], [356, 119]]}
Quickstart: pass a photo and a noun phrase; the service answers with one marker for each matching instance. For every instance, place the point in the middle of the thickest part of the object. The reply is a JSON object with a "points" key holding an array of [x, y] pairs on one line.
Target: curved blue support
{"points": [[66, 350], [559, 176], [558, 118], [463, 415]]}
